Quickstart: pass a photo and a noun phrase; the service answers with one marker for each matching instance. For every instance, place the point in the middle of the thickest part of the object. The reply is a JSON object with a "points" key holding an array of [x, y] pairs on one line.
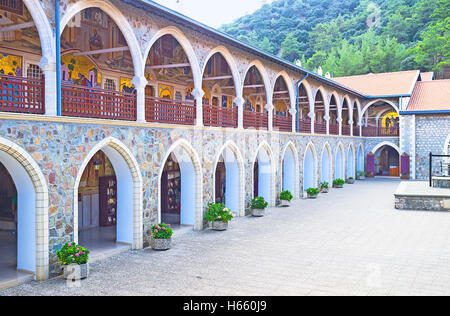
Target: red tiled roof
{"points": [[384, 84], [430, 96]]}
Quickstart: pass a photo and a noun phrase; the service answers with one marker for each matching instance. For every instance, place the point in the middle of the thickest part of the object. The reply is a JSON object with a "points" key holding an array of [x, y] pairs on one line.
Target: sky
{"points": [[214, 13]]}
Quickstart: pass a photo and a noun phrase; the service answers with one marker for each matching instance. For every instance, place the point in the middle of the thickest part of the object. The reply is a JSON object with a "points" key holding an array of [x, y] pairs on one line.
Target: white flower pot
{"points": [[219, 225], [284, 203], [258, 213], [161, 244], [76, 272]]}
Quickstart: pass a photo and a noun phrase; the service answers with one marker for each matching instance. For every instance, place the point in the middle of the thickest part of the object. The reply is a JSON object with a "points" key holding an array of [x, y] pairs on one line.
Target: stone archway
{"points": [[309, 168], [351, 162], [326, 174], [290, 170], [339, 162], [191, 195], [263, 173], [129, 191], [32, 212], [234, 177]]}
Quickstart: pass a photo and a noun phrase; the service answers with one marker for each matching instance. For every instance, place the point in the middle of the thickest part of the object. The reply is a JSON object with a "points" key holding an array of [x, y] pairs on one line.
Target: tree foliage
{"points": [[350, 37]]}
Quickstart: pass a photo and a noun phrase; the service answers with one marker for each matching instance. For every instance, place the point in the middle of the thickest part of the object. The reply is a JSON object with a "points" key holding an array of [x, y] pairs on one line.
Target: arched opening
{"points": [[254, 94], [326, 165], [21, 78], [339, 163], [262, 175], [289, 171], [345, 118], [320, 125], [356, 129], [309, 169], [360, 160], [379, 119], [96, 68], [304, 109], [227, 181], [387, 161], [218, 78], [334, 124], [282, 119], [350, 163], [179, 185], [170, 96]]}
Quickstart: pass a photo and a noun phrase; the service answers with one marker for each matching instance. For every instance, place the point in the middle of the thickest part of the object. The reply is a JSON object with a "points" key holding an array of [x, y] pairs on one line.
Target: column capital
{"points": [[292, 112], [269, 107], [139, 82], [239, 101], [312, 115], [326, 117], [46, 64], [350, 122], [198, 93], [339, 120]]}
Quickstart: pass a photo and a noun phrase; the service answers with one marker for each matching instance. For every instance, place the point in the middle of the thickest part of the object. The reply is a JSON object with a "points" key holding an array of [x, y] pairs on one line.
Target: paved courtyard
{"points": [[349, 242]]}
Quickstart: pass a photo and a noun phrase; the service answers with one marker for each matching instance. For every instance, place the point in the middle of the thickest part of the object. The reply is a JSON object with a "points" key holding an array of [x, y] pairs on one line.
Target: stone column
{"points": [[312, 116], [269, 107], [350, 123], [48, 67], [239, 102], [198, 95], [339, 120], [293, 113], [140, 83], [327, 119]]}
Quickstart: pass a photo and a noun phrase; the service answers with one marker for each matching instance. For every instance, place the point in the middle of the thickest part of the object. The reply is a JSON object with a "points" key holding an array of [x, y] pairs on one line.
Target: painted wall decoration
{"points": [[168, 51], [97, 31], [80, 70], [390, 120], [26, 39], [10, 65], [126, 85], [165, 92], [99, 166]]}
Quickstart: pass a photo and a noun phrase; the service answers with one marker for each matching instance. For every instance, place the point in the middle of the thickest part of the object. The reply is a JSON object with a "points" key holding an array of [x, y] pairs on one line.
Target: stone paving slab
{"points": [[349, 242]]}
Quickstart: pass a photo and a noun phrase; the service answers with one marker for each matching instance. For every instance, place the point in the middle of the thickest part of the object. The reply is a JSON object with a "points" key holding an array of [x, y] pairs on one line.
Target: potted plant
{"points": [[312, 193], [338, 183], [259, 206], [219, 216], [74, 259], [360, 175], [324, 187], [286, 198], [161, 237], [351, 180]]}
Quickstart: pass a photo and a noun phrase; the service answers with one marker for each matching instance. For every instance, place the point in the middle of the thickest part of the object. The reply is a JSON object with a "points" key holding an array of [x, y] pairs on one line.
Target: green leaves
{"points": [[218, 212], [72, 253], [162, 231], [259, 203], [339, 182], [313, 191], [286, 196]]}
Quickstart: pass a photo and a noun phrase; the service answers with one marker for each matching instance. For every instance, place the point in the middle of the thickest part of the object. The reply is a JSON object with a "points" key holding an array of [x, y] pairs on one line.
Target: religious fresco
{"points": [[10, 65], [96, 31], [26, 39], [167, 51], [80, 70], [99, 166], [390, 120], [165, 92], [126, 85]]}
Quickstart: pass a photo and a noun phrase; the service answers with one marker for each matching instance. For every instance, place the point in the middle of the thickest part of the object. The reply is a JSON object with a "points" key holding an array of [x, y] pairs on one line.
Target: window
{"points": [[110, 84], [34, 71]]}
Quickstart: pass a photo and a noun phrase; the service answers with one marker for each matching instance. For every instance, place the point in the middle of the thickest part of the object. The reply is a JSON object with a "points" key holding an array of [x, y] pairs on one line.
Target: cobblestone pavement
{"points": [[349, 242]]}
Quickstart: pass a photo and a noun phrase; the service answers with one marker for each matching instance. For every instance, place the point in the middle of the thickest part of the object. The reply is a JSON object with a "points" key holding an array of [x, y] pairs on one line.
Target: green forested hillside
{"points": [[350, 37]]}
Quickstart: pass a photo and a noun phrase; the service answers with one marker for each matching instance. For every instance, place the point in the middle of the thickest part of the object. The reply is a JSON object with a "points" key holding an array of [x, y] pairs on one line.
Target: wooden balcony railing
{"points": [[169, 112], [372, 131], [282, 123], [305, 126], [81, 101], [334, 129], [320, 127], [346, 130], [256, 120], [22, 95], [220, 116]]}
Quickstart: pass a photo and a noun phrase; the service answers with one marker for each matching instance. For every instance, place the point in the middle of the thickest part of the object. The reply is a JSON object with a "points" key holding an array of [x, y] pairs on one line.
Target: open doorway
{"points": [[387, 162]]}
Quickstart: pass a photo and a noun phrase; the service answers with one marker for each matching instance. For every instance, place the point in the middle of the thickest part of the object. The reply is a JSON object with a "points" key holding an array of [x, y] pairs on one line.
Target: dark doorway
{"points": [[256, 179], [220, 181], [387, 162], [171, 192]]}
